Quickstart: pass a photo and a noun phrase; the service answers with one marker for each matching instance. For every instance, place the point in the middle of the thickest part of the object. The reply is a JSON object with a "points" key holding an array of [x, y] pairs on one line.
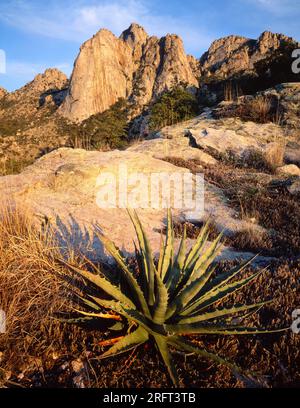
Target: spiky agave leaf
{"points": [[162, 344], [137, 292], [132, 340], [170, 301], [146, 255]]}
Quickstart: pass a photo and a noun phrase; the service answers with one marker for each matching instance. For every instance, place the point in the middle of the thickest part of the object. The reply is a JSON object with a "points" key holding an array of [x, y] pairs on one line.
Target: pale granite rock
{"points": [[61, 189]]}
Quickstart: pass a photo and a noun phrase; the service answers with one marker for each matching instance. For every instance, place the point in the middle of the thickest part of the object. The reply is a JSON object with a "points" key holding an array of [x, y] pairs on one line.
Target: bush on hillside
{"points": [[172, 107], [103, 131]]}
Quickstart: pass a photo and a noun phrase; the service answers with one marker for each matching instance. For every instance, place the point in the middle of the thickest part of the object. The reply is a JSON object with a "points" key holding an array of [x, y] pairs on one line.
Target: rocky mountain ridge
{"points": [[139, 68], [229, 55], [3, 92]]}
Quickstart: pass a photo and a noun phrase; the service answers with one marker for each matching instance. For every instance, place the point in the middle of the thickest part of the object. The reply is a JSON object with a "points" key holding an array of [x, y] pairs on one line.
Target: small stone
{"points": [[294, 189]]}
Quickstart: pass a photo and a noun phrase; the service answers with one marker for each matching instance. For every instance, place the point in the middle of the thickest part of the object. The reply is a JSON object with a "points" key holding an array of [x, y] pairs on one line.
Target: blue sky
{"points": [[36, 34]]}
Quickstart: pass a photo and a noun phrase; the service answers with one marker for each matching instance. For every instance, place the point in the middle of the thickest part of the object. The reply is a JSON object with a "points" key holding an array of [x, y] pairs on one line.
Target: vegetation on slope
{"points": [[172, 107], [103, 131]]}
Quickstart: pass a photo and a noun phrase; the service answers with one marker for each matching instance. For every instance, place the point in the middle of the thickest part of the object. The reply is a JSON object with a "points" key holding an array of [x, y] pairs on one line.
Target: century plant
{"points": [[170, 300]]}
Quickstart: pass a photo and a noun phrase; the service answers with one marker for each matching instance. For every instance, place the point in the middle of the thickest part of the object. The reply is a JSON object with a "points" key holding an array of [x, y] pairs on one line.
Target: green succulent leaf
{"points": [[128, 275], [205, 260], [216, 314], [221, 279], [132, 340], [194, 328], [183, 344], [89, 303], [218, 294], [161, 304], [175, 273], [77, 320], [147, 255], [169, 246], [162, 345], [103, 284]]}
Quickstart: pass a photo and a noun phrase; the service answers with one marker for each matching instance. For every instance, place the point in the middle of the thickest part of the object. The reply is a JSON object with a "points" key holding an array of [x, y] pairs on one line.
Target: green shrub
{"points": [[172, 107], [106, 130]]}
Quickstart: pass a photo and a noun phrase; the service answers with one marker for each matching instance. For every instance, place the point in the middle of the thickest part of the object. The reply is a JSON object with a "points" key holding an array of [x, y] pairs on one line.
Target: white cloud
{"points": [[79, 20]]}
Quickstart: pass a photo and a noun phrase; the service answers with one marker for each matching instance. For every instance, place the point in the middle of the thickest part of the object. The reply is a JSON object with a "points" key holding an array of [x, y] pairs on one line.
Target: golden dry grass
{"points": [[29, 290], [260, 108], [274, 155]]}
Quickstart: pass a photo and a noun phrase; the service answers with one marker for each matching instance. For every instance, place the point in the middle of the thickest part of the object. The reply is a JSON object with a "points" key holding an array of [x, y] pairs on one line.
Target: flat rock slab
{"points": [[61, 188], [222, 135]]}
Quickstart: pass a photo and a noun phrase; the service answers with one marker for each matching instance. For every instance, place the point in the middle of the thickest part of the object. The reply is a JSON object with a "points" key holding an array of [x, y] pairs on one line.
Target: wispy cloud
{"points": [[277, 7], [20, 72], [29, 70], [78, 20]]}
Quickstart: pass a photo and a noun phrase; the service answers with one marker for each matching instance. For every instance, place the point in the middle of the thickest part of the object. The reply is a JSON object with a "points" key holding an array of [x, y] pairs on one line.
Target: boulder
{"points": [[61, 189], [289, 169], [217, 137]]}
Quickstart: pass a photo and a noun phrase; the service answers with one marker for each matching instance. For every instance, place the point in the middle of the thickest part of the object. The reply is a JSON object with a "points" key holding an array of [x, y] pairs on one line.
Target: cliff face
{"points": [[139, 68], [230, 55], [102, 74], [134, 66]]}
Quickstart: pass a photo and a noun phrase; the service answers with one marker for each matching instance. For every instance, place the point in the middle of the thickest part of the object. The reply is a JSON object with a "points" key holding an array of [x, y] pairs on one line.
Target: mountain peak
{"points": [[50, 78], [135, 34], [3, 92]]}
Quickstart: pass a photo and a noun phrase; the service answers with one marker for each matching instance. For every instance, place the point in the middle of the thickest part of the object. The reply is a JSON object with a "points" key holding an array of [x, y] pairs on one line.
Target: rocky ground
{"points": [[62, 185]]}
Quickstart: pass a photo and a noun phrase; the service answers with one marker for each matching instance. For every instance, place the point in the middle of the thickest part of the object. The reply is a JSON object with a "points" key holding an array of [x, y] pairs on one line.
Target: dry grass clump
{"points": [[260, 109], [250, 239], [29, 292], [13, 166], [274, 155], [267, 160], [32, 292]]}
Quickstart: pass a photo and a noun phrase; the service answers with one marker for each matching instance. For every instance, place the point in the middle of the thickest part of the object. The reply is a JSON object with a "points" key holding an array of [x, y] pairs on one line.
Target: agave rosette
{"points": [[171, 300]]}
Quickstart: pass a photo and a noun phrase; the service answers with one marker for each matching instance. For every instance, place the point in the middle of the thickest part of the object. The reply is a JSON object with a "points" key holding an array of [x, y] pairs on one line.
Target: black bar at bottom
{"points": [[135, 397]]}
